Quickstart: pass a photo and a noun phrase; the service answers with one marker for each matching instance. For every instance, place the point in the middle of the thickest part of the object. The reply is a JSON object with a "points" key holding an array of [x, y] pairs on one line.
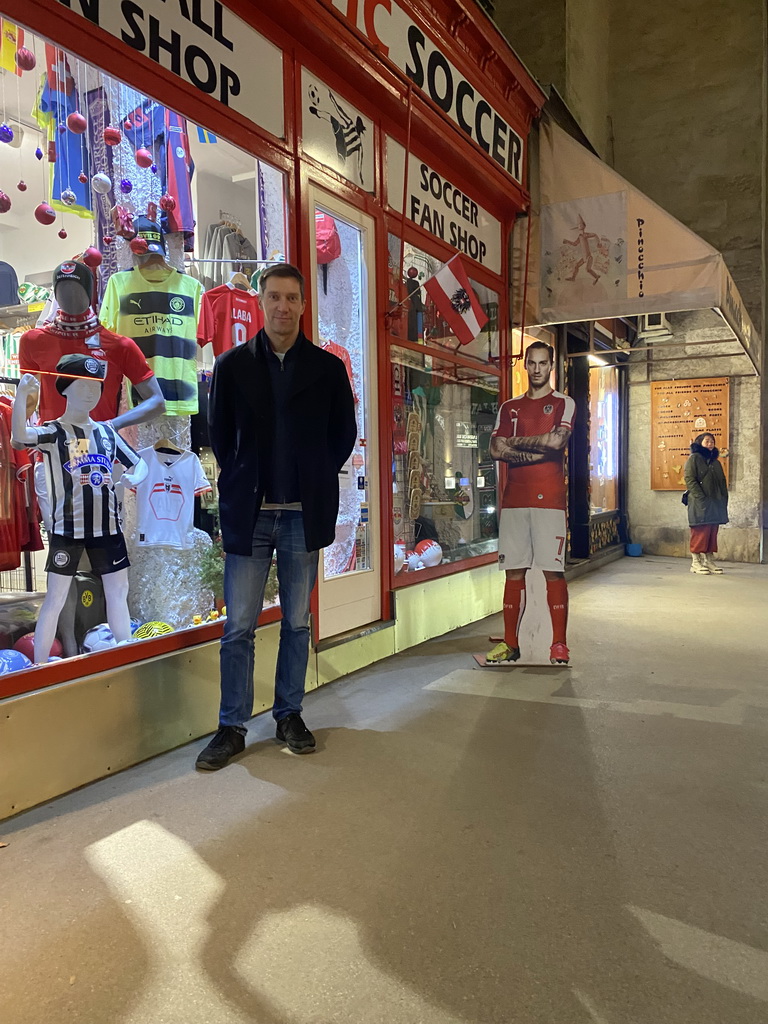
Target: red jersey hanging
{"points": [[229, 317]]}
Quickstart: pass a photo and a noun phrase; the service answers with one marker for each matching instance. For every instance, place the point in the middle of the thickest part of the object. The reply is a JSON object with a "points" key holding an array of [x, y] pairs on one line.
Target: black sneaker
{"points": [[227, 742], [292, 731]]}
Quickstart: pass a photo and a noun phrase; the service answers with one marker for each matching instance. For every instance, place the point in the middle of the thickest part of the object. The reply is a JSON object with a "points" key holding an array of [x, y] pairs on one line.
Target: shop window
{"points": [[414, 316], [176, 224], [443, 478], [343, 328], [604, 438]]}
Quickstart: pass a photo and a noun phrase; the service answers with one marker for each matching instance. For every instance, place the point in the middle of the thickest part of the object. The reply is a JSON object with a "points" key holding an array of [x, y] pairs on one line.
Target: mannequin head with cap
{"points": [[80, 383], [73, 287]]}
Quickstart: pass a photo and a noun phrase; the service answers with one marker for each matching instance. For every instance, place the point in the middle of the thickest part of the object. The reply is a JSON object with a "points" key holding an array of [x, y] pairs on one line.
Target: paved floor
{"points": [[467, 847]]}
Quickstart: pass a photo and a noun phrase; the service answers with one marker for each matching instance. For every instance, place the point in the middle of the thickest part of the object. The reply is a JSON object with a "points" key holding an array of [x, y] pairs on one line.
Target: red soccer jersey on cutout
{"points": [[229, 317], [42, 348], [540, 485]]}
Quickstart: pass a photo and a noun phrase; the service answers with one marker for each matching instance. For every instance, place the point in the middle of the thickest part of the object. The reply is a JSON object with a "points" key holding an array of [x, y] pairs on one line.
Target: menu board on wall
{"points": [[680, 410]]}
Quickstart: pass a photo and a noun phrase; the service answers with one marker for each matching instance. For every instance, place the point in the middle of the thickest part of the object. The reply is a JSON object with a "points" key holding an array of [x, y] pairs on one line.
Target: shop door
{"points": [[343, 299]]}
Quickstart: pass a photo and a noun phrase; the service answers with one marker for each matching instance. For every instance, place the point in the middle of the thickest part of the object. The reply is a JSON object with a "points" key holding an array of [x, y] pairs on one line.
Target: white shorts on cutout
{"points": [[532, 536]]}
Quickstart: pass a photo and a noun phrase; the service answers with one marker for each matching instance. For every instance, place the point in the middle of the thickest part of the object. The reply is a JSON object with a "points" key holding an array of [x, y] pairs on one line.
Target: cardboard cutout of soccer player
{"points": [[79, 455], [530, 436]]}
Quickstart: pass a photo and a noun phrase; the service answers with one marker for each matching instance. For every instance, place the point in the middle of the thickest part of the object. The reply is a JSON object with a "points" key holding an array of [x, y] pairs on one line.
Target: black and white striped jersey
{"points": [[78, 474]]}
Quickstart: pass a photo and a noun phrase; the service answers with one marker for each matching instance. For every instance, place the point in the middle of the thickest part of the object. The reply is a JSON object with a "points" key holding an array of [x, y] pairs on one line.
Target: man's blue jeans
{"points": [[245, 578]]}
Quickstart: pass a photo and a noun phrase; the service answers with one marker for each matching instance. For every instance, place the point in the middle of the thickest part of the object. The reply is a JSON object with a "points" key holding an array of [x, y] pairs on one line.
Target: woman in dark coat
{"points": [[707, 502]]}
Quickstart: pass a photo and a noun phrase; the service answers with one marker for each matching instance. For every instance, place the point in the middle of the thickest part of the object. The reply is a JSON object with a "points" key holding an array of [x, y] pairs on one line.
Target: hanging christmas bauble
{"points": [[5, 203], [6, 133], [62, 129], [108, 239], [22, 186], [77, 123], [113, 136], [153, 168], [167, 203], [62, 233], [101, 183], [39, 153], [45, 214], [128, 124], [92, 257], [25, 59], [68, 197], [139, 246], [82, 178], [126, 186], [143, 158]]}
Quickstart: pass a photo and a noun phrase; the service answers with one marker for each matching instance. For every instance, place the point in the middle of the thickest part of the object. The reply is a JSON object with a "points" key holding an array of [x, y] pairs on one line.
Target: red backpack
{"points": [[328, 243]]}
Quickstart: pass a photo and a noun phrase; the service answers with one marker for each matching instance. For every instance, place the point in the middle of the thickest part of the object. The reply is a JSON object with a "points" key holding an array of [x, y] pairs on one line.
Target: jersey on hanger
{"points": [[78, 474], [166, 499], [229, 317], [542, 484], [343, 354], [161, 317], [42, 348]]}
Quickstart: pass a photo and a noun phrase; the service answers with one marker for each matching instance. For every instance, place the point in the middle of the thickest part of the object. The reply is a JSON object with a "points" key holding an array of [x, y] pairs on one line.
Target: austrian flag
{"points": [[458, 305]]}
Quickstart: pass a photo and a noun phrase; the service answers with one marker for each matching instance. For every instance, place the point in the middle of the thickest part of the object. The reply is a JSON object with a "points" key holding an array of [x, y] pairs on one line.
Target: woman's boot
{"points": [[711, 564], [699, 565]]}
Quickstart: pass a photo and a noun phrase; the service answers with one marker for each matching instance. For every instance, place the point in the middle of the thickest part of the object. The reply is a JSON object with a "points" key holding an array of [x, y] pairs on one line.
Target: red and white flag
{"points": [[452, 293]]}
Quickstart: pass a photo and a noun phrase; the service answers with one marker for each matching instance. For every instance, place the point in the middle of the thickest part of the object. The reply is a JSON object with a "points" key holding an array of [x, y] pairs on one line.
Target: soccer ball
{"points": [[413, 558], [26, 644], [13, 661], [429, 552], [314, 96], [99, 638], [150, 629]]}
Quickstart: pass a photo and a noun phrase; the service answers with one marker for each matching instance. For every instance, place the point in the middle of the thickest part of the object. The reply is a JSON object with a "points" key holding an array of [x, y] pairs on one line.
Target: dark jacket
{"points": [[241, 418], [707, 489]]}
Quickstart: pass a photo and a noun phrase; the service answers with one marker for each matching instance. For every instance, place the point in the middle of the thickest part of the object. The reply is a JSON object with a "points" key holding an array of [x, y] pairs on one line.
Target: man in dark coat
{"points": [[282, 425], [707, 503]]}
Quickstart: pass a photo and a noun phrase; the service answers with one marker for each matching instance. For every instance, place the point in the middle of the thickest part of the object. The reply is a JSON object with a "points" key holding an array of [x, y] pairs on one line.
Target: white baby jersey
{"points": [[166, 499]]}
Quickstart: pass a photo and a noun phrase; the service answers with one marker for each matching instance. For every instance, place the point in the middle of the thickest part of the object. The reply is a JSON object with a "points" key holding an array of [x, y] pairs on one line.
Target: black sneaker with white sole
{"points": [[297, 737], [226, 744]]}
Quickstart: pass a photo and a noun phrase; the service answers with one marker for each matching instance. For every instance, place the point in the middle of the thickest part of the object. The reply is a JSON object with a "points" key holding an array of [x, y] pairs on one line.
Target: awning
{"points": [[607, 250]]}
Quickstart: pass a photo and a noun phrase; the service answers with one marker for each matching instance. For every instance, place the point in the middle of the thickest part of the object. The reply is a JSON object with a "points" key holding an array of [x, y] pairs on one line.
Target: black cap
{"points": [[150, 231], [78, 365], [73, 271]]}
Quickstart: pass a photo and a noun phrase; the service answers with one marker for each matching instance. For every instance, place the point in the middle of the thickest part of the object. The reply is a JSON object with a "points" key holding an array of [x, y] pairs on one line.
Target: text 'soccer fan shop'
{"points": [[169, 152]]}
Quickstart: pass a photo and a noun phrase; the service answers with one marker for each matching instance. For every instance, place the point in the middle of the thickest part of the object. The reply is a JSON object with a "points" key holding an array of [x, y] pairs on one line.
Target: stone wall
{"points": [[658, 519]]}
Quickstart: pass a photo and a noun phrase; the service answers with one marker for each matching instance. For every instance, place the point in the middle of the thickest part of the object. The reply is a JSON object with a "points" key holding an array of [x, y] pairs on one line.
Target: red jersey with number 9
{"points": [[541, 484], [229, 317]]}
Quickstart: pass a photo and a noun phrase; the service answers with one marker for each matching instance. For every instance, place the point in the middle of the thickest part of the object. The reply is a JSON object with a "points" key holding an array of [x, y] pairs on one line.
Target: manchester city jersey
{"points": [[161, 317]]}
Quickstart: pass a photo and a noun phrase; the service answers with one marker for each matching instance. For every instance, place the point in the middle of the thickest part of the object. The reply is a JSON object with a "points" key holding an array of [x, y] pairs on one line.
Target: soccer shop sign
{"points": [[442, 209], [396, 36], [203, 43]]}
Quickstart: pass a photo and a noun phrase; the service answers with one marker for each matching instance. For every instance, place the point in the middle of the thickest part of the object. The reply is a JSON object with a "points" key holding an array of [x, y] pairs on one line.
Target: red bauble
{"points": [[108, 239], [144, 158], [167, 203], [92, 257], [22, 186], [25, 59], [62, 233], [5, 203], [82, 178], [45, 214], [139, 246], [128, 124], [77, 123], [113, 136]]}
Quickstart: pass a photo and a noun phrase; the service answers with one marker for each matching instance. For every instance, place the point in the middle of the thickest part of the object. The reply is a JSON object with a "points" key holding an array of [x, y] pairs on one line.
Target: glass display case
{"points": [[604, 438], [443, 477]]}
